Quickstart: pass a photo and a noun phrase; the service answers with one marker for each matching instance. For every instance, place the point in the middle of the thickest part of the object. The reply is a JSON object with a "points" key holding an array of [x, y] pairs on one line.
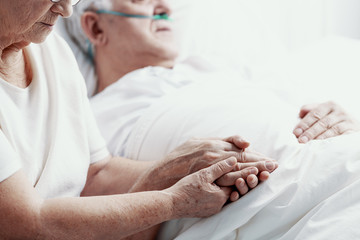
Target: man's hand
{"points": [[248, 173], [197, 195], [321, 121]]}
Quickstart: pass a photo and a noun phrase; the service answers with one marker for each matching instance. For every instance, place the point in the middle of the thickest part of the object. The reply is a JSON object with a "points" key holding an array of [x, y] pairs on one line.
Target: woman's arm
{"points": [[118, 175], [25, 215], [114, 175]]}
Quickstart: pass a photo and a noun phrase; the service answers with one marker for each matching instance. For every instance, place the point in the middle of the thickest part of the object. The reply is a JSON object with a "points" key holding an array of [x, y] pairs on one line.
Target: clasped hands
{"points": [[199, 154]]}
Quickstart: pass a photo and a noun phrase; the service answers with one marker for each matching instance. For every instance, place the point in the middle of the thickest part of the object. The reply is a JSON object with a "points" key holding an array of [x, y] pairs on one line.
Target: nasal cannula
{"points": [[163, 16]]}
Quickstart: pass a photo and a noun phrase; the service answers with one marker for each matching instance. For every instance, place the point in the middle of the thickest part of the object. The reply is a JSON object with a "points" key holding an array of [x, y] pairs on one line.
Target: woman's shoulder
{"points": [[55, 61]]}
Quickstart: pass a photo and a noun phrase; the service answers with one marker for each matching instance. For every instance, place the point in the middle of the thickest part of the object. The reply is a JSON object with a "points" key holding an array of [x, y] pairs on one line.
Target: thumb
{"points": [[238, 141], [217, 170], [306, 109]]}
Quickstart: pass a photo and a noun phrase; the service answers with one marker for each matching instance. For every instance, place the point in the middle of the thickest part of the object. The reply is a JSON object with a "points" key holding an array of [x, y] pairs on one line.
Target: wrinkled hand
{"points": [[197, 154], [197, 195], [255, 167], [321, 121]]}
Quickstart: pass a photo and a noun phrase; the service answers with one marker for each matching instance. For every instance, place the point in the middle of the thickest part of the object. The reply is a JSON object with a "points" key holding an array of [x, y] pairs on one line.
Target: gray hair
{"points": [[73, 24]]}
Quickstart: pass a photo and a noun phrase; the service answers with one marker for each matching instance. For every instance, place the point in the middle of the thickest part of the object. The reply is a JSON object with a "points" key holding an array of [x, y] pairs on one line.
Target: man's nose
{"points": [[162, 6]]}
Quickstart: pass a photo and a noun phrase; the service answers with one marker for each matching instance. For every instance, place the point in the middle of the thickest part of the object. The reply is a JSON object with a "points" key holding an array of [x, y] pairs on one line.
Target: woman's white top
{"points": [[48, 129]]}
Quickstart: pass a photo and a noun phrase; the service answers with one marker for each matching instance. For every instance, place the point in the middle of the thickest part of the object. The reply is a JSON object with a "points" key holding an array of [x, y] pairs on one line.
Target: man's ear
{"points": [[92, 29]]}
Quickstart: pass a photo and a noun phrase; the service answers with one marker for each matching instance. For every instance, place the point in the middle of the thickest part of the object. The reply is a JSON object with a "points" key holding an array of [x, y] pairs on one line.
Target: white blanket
{"points": [[312, 195]]}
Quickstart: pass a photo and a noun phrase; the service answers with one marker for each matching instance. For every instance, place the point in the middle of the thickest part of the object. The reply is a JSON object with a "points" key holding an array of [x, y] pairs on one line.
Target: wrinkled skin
{"points": [[197, 194], [197, 154]]}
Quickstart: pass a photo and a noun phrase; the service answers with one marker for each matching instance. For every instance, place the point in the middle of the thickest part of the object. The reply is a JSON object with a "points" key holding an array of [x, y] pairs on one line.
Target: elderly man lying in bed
{"points": [[143, 98], [134, 52]]}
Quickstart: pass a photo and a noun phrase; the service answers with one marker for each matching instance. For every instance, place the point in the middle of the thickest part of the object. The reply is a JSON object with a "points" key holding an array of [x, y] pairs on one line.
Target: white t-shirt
{"points": [[48, 129]]}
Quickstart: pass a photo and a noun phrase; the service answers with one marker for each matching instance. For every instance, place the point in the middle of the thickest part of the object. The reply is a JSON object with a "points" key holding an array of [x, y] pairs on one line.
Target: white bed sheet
{"points": [[315, 186]]}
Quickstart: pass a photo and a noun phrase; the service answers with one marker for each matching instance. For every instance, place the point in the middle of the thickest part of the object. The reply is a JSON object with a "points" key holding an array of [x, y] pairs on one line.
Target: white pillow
{"points": [[85, 65], [231, 28]]}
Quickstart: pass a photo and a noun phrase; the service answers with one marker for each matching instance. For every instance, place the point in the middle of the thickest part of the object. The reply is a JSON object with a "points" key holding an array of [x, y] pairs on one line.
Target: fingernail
{"points": [[253, 171], [242, 183], [298, 131], [304, 139], [253, 180], [269, 165], [231, 161], [241, 139]]}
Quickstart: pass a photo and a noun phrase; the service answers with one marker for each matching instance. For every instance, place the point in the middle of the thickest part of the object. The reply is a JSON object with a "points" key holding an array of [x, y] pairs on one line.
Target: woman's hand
{"points": [[197, 154], [197, 195], [321, 121]]}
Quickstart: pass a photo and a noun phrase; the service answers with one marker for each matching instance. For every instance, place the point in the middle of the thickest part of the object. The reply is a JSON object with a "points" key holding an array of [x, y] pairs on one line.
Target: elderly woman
{"points": [[51, 151]]}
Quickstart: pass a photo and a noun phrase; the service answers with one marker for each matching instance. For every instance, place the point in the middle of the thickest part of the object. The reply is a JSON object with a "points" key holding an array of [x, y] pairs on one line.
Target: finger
{"points": [[263, 176], [237, 141], [269, 166], [335, 130], [247, 155], [230, 178], [234, 196], [252, 181], [210, 143], [242, 171], [311, 118], [252, 156], [229, 147], [307, 108], [223, 145], [237, 153], [320, 127], [219, 169], [241, 186]]}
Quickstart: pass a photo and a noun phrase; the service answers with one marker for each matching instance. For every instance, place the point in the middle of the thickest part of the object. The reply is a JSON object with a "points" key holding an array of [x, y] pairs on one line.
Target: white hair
{"points": [[73, 24]]}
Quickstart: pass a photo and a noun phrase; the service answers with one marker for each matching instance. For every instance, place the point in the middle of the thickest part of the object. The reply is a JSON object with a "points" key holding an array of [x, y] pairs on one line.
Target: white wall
{"points": [[259, 28], [343, 18], [303, 21]]}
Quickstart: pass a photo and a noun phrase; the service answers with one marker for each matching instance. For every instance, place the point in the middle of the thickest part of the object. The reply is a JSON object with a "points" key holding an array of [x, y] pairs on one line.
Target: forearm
{"points": [[108, 217], [159, 176], [100, 183], [25, 215], [113, 176], [154, 178]]}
